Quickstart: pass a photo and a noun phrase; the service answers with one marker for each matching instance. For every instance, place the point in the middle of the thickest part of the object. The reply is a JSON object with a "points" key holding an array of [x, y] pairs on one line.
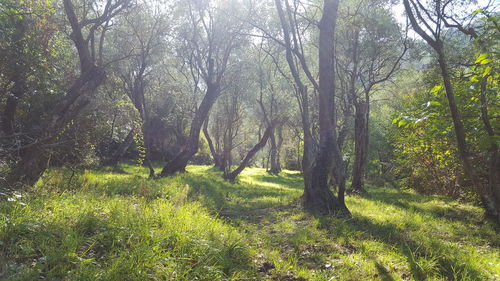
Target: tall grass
{"points": [[112, 229], [116, 224]]}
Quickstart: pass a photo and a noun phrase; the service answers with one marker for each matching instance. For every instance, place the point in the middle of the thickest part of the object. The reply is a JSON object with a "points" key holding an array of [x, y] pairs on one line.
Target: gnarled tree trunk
{"points": [[179, 163], [34, 156]]}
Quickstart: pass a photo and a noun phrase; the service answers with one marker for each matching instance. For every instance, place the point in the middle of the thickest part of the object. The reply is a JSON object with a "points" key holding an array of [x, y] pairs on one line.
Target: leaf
{"points": [[402, 122], [432, 103], [483, 59], [477, 11], [487, 71], [437, 89]]}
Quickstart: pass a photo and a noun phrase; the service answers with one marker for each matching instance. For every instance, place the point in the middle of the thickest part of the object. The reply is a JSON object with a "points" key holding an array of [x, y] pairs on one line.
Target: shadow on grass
{"points": [[289, 180], [262, 191], [405, 201], [385, 275], [391, 195], [447, 261]]}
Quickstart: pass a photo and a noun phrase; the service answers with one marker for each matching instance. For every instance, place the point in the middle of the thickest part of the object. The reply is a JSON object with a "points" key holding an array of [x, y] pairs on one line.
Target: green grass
{"points": [[119, 225]]}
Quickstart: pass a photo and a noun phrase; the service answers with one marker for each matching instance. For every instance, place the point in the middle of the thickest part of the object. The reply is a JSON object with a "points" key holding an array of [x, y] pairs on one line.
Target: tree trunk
{"points": [[33, 162], [494, 155], [34, 157], [360, 147], [244, 163], [317, 194], [227, 147], [487, 193], [122, 148], [147, 139], [147, 144], [274, 157], [215, 155], [179, 163]]}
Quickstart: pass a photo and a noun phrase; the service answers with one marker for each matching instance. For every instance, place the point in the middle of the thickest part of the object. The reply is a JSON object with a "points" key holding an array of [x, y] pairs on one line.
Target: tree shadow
{"points": [[404, 200], [289, 180], [391, 195], [384, 274], [243, 195], [447, 263]]}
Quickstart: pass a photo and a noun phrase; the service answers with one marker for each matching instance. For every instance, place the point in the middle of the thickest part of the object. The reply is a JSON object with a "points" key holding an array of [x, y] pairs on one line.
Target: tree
{"points": [[147, 28], [428, 23], [210, 41], [231, 176], [329, 158], [34, 155], [317, 166], [369, 52], [292, 48]]}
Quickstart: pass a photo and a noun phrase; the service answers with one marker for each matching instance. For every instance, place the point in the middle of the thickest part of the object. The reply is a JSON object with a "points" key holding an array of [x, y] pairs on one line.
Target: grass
{"points": [[115, 224]]}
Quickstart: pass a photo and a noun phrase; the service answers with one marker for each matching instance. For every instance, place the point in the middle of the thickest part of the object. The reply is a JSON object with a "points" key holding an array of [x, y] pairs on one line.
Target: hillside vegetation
{"points": [[115, 224]]}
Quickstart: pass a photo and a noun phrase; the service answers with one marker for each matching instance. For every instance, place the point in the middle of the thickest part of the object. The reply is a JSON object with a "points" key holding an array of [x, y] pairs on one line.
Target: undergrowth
{"points": [[116, 224]]}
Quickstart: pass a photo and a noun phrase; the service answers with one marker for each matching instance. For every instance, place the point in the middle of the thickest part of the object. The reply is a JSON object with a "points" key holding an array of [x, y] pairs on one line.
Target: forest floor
{"points": [[115, 224]]}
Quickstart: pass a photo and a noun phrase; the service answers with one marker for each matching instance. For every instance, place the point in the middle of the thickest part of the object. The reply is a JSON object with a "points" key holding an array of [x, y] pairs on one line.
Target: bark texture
{"points": [[274, 157]]}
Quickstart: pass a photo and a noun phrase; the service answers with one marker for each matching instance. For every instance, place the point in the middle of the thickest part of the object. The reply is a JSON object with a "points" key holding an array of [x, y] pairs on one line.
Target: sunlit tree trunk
{"points": [[274, 159]]}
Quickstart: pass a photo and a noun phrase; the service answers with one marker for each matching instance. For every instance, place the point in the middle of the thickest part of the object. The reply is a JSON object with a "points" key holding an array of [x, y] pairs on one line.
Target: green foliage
{"points": [[425, 136]]}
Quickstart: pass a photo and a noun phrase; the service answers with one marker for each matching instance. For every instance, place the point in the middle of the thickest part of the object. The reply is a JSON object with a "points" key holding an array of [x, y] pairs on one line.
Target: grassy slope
{"points": [[109, 225]]}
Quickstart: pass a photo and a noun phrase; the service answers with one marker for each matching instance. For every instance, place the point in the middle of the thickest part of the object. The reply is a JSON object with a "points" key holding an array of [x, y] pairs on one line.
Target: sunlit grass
{"points": [[116, 224]]}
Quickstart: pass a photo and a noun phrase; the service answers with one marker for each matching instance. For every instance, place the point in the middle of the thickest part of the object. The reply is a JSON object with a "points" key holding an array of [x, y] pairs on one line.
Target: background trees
{"points": [[336, 90], [210, 39]]}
